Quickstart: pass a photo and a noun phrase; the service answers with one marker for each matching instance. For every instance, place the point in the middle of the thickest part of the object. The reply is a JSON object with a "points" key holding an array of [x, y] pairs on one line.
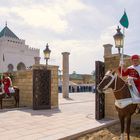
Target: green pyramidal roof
{"points": [[7, 32]]}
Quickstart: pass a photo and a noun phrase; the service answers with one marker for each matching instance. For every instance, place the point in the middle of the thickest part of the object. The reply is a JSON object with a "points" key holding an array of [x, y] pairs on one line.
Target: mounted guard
{"points": [[133, 73], [123, 99]]}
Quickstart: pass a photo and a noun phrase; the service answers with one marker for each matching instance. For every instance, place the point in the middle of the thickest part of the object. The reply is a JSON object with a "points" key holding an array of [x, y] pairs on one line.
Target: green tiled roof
{"points": [[7, 32]]}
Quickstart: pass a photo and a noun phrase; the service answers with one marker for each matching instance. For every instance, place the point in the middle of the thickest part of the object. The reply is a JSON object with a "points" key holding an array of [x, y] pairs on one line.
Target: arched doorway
{"points": [[21, 66], [10, 68]]}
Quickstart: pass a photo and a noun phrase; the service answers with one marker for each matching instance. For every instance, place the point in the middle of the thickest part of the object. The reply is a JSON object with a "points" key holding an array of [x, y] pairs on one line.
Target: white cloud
{"points": [[50, 15], [42, 16], [107, 34]]}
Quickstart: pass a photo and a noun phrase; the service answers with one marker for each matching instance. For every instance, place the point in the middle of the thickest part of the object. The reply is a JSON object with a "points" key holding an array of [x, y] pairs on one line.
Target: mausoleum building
{"points": [[14, 53]]}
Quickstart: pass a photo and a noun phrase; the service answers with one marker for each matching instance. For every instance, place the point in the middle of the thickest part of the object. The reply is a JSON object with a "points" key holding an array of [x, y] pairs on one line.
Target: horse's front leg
{"points": [[1, 102], [122, 121], [15, 101], [128, 127]]}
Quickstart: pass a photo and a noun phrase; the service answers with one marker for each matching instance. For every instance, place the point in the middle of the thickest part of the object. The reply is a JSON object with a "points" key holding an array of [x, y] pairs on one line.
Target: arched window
{"points": [[21, 66], [10, 68]]}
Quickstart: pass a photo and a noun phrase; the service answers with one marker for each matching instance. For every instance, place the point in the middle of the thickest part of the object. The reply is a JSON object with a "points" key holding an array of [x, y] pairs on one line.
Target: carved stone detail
{"points": [[100, 97], [41, 89]]}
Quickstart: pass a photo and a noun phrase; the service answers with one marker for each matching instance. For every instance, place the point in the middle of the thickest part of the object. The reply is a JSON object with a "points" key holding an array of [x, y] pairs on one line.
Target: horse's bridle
{"points": [[111, 81], [114, 77]]}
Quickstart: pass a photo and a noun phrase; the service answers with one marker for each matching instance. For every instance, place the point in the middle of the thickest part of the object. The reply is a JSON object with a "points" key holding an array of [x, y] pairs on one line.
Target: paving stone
{"points": [[75, 116]]}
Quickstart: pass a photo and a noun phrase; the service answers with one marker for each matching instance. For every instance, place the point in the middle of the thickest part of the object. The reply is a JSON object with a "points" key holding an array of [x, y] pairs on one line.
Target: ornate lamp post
{"points": [[118, 38], [47, 52]]}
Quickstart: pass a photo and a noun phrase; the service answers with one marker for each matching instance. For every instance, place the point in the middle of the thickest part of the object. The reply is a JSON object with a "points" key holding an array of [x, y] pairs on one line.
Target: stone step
{"points": [[8, 102]]}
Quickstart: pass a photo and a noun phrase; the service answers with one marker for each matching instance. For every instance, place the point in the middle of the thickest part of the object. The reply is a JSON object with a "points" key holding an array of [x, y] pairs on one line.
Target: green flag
{"points": [[124, 20]]}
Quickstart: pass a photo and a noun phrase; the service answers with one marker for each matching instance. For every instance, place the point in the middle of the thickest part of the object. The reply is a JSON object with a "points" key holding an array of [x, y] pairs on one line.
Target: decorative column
{"points": [[37, 60], [65, 77], [107, 49]]}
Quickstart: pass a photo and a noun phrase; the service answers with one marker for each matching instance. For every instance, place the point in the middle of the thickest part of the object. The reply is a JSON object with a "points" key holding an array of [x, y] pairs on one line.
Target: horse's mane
{"points": [[114, 71]]}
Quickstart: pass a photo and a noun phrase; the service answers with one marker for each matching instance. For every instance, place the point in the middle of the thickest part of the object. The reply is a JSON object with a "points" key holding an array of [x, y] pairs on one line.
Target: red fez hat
{"points": [[134, 57]]}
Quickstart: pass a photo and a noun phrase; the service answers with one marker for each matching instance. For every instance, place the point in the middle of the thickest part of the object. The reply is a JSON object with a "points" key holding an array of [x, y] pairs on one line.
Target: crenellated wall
{"points": [[15, 51]]}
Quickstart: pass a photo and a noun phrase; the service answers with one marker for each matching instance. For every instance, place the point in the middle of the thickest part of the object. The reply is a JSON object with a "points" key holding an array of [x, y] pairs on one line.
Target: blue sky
{"points": [[80, 27]]}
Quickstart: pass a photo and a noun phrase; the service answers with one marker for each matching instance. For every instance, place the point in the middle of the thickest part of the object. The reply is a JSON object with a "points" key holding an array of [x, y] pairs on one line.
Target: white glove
{"points": [[121, 63], [131, 78]]}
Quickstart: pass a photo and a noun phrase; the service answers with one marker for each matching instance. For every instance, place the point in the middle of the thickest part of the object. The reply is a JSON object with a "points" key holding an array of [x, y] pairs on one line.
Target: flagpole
{"points": [[2, 66], [125, 23], [3, 63], [122, 60], [1, 78]]}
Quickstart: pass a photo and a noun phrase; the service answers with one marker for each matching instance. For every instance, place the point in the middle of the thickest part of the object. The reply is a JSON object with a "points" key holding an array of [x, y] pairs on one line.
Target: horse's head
{"points": [[106, 81]]}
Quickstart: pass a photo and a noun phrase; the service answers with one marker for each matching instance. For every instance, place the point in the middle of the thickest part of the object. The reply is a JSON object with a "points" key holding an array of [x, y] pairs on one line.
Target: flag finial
{"points": [[6, 23]]}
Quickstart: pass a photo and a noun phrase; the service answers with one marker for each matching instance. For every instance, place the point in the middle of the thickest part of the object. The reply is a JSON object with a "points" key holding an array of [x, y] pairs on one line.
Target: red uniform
{"points": [[7, 84], [133, 71]]}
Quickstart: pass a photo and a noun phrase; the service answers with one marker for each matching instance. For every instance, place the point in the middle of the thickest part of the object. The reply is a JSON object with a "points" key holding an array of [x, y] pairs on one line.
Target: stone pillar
{"points": [[65, 77], [37, 60], [107, 50]]}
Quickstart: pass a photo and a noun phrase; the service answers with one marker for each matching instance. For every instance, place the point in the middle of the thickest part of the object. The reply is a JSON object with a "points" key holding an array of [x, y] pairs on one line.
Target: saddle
{"points": [[133, 91], [135, 96]]}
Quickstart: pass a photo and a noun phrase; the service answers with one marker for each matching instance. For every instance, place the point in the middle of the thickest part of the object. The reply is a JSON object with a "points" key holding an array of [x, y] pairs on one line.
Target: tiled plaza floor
{"points": [[73, 117]]}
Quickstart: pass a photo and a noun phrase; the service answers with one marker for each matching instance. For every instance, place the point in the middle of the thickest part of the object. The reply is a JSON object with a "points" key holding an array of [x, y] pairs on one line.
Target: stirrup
{"points": [[6, 96], [137, 110]]}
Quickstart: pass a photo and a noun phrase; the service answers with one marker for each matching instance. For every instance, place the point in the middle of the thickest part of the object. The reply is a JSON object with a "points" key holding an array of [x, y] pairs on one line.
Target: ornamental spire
{"points": [[6, 24]]}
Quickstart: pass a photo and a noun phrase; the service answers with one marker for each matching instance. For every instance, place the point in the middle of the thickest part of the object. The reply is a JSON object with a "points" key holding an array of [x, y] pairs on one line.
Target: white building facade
{"points": [[14, 53]]}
